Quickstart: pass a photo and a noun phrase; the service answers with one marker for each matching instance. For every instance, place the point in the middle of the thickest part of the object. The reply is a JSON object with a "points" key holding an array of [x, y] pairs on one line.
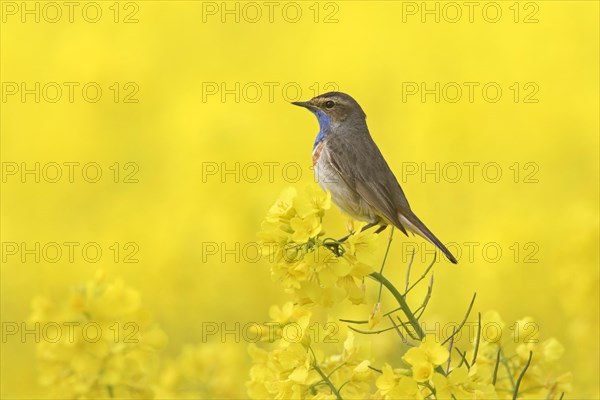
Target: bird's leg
{"points": [[364, 228], [381, 229], [335, 246]]}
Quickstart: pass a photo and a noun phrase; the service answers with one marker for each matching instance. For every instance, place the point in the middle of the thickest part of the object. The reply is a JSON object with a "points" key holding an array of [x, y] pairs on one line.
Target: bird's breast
{"points": [[342, 194], [325, 174], [316, 154]]}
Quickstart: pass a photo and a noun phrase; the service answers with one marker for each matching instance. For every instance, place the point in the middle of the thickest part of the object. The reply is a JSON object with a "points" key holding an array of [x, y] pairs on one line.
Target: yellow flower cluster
{"points": [[495, 365], [502, 359], [293, 369], [296, 369], [304, 261], [204, 371], [428, 380], [100, 343]]}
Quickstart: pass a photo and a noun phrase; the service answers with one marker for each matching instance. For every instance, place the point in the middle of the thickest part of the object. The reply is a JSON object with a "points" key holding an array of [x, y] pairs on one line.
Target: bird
{"points": [[349, 165]]}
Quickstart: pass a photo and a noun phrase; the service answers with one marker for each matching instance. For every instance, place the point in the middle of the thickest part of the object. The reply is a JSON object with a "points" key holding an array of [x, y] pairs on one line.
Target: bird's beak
{"points": [[304, 104]]}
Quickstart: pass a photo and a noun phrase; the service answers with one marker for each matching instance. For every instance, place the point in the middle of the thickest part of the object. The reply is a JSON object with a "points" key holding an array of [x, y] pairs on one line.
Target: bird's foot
{"points": [[335, 246], [381, 229]]}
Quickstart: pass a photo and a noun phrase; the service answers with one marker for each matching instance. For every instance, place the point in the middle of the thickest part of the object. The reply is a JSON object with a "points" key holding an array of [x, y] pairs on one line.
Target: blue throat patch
{"points": [[324, 123]]}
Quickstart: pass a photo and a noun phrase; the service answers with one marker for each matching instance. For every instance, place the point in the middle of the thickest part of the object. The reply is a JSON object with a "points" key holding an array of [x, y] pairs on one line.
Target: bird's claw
{"points": [[335, 247]]}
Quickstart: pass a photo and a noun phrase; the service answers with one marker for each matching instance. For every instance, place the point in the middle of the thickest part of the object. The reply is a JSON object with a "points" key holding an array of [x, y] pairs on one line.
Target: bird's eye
{"points": [[329, 104]]}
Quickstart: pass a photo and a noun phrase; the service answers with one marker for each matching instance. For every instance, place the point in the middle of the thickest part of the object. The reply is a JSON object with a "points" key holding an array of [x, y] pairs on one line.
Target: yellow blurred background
{"points": [[488, 114]]}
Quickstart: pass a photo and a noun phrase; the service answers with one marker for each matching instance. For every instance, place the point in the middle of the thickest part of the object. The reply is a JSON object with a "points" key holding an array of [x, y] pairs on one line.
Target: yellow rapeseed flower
{"points": [[110, 348], [394, 384], [203, 371], [305, 228], [312, 201], [362, 245], [428, 351], [375, 316], [451, 385], [423, 358], [282, 210]]}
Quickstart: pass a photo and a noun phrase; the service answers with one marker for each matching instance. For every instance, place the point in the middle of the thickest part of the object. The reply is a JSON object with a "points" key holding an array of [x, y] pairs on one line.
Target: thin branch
{"points": [[495, 376], [405, 308], [329, 383], [426, 300], [406, 328], [465, 319], [477, 340], [385, 256], [516, 392], [370, 332], [463, 358], [344, 384], [375, 369], [422, 276], [401, 302], [509, 373], [412, 257], [431, 389], [366, 321], [550, 394], [450, 350], [335, 369], [325, 378], [404, 340], [354, 321]]}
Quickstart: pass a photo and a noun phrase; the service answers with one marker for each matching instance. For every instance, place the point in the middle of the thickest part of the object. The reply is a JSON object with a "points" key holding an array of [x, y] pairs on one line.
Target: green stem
{"points": [[422, 276], [478, 339], [516, 393], [327, 381], [387, 251], [401, 302], [495, 376], [463, 358], [508, 371], [412, 320], [366, 321], [370, 332], [460, 326], [375, 369]]}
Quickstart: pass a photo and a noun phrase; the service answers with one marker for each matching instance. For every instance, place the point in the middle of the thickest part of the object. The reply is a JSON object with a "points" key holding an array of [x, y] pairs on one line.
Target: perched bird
{"points": [[348, 164]]}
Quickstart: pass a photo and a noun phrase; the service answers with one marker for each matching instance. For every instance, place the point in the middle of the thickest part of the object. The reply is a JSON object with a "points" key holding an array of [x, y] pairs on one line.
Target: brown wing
{"points": [[363, 168]]}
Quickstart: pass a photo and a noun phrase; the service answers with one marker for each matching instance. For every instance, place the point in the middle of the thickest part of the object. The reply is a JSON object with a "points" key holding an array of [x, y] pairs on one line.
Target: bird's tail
{"points": [[414, 224]]}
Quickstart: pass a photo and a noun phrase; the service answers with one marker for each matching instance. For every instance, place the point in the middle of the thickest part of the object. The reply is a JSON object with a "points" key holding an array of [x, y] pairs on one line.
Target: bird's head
{"points": [[333, 108]]}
